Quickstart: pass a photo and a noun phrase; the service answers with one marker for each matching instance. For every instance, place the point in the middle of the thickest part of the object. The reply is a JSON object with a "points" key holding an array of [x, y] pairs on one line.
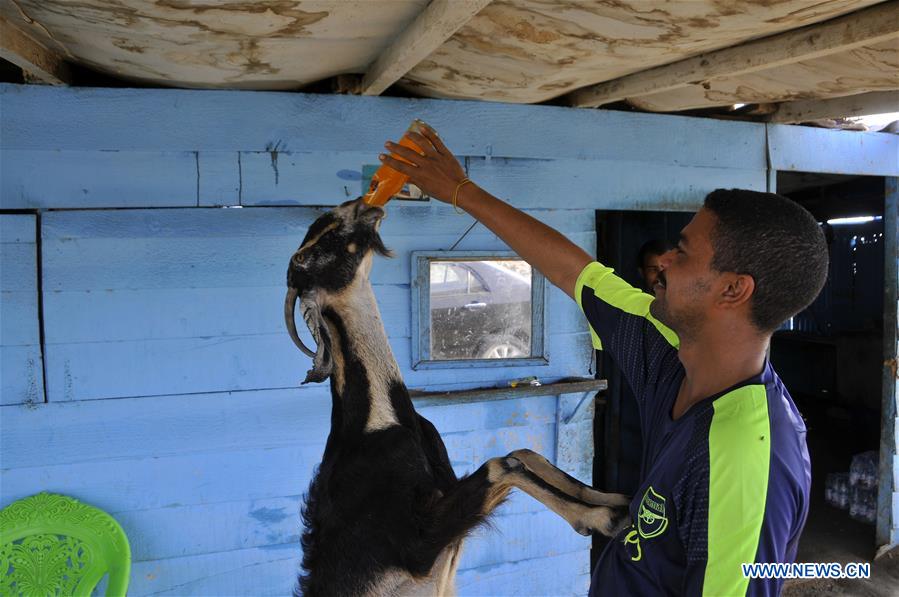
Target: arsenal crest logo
{"points": [[652, 520]]}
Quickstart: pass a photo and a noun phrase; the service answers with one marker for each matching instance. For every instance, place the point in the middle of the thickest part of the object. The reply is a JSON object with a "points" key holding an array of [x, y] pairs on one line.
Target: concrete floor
{"points": [[831, 536], [884, 582]]}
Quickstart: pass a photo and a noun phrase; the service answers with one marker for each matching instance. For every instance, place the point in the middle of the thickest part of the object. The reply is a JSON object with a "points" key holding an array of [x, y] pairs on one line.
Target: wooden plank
{"points": [[18, 288], [181, 531], [836, 152], [34, 58], [76, 179], [867, 69], [872, 25], [178, 224], [574, 433], [262, 571], [875, 102], [607, 184], [302, 178], [17, 228], [184, 313], [83, 181], [567, 387], [143, 263], [194, 478], [566, 574], [896, 460], [80, 371], [272, 571], [168, 313], [895, 509], [436, 24], [402, 220], [169, 120], [18, 317], [22, 378], [193, 530], [21, 364], [91, 430], [524, 536], [887, 510], [310, 179], [218, 178]]}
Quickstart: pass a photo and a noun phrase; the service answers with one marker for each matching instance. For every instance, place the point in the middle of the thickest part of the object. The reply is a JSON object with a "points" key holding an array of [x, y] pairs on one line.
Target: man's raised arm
{"points": [[439, 174]]}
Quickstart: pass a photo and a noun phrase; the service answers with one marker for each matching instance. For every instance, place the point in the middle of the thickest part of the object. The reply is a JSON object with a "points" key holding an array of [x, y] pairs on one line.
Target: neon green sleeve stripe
{"points": [[582, 279], [739, 456], [614, 291]]}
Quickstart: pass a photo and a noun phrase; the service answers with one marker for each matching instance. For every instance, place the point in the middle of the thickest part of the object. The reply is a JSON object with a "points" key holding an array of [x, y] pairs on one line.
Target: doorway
{"points": [[830, 358]]}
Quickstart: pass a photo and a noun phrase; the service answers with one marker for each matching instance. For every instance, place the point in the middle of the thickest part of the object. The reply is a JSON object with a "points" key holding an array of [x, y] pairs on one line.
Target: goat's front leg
{"points": [[561, 480], [476, 496], [586, 509]]}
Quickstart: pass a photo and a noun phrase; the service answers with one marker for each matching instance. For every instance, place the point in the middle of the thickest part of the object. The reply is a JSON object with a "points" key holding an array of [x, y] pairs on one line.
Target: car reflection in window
{"points": [[480, 309]]}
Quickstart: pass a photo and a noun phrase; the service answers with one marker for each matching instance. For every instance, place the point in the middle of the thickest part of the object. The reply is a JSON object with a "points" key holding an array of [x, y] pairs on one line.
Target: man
{"points": [[725, 474], [649, 261]]}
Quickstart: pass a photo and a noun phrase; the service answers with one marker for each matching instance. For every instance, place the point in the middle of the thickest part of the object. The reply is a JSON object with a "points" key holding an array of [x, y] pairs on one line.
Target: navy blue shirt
{"points": [[725, 484]]}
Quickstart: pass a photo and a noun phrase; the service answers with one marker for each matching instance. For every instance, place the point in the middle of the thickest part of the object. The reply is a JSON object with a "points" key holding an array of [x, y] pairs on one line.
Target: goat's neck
{"points": [[366, 378]]}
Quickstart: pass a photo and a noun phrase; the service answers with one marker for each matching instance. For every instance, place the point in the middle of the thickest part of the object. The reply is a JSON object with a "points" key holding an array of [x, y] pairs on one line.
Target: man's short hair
{"points": [[652, 247], [777, 242]]}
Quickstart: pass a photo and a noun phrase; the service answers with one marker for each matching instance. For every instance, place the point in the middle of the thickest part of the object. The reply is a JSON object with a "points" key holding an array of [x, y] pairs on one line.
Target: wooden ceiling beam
{"points": [[41, 63], [875, 102], [437, 23], [865, 27]]}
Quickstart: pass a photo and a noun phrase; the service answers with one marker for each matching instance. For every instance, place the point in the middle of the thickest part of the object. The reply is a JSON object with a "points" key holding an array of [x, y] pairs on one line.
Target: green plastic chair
{"points": [[55, 545]]}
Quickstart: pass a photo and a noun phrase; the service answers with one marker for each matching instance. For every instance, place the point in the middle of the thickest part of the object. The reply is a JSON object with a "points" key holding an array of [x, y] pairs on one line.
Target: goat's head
{"points": [[336, 251]]}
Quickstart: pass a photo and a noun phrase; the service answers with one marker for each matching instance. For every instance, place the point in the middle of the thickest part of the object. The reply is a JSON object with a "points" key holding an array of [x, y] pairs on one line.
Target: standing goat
{"points": [[385, 514]]}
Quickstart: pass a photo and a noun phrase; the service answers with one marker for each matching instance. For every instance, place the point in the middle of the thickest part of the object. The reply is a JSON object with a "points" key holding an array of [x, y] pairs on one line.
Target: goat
{"points": [[385, 514]]}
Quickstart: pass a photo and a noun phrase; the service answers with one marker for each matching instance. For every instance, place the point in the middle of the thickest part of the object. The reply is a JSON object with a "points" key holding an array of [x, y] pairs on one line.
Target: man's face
{"points": [[649, 269], [683, 287]]}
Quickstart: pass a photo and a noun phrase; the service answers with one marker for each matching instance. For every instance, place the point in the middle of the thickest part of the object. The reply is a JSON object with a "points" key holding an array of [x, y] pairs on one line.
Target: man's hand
{"points": [[436, 172]]}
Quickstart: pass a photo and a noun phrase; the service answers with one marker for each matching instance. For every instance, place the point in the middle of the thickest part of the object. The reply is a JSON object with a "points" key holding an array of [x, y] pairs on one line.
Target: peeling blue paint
{"points": [[269, 515]]}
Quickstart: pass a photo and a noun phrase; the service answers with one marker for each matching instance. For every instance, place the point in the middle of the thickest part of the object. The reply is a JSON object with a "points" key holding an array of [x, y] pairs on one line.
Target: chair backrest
{"points": [[54, 545]]}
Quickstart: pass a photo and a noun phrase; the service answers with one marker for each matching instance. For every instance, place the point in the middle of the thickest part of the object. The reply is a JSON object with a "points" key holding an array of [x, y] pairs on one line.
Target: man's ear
{"points": [[738, 289]]}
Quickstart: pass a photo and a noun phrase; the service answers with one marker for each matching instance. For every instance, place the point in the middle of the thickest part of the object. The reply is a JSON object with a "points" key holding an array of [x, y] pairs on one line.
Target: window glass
{"points": [[480, 309]]}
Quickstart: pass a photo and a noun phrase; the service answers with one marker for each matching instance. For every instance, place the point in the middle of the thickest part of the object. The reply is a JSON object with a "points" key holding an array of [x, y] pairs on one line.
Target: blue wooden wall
{"points": [[167, 391]]}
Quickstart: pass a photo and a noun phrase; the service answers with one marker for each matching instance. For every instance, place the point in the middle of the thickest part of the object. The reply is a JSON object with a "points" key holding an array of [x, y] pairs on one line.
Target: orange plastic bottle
{"points": [[386, 183]]}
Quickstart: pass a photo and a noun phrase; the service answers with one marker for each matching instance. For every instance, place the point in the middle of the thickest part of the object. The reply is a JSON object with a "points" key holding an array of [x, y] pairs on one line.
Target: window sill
{"points": [[422, 398]]}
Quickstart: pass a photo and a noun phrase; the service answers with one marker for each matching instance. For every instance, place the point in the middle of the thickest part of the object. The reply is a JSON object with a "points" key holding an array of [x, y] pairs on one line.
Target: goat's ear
{"points": [[322, 363]]}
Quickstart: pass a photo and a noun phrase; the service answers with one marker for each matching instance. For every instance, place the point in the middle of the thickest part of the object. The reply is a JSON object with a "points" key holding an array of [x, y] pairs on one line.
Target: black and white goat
{"points": [[385, 514]]}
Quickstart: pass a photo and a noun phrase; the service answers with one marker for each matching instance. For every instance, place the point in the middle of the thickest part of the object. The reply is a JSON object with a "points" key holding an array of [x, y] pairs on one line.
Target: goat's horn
{"points": [[290, 305]]}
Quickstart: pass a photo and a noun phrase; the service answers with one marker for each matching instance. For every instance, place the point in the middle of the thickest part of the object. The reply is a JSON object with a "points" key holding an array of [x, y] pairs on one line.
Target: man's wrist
{"points": [[464, 195]]}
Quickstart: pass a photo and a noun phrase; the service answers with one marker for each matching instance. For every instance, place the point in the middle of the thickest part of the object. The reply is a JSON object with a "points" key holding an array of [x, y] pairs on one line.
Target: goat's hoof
{"points": [[583, 529], [619, 519]]}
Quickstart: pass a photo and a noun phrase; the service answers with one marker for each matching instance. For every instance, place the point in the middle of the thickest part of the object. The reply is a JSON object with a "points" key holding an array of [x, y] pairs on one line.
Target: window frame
{"points": [[420, 285]]}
